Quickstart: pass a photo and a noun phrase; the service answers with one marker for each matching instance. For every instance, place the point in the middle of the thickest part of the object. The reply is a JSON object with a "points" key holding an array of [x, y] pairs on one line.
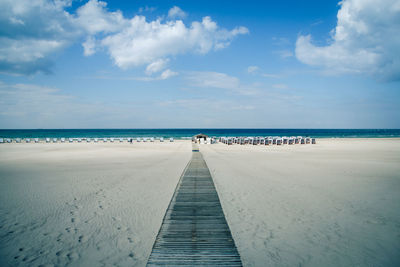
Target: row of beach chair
{"points": [[293, 140], [80, 140]]}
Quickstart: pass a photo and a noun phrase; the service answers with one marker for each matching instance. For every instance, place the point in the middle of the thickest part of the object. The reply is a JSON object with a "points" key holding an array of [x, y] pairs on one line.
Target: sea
{"points": [[188, 133]]}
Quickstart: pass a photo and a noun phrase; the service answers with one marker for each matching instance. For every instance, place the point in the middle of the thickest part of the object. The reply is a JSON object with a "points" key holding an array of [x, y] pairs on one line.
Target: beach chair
{"points": [[47, 140], [171, 139], [138, 139], [296, 140], [104, 140], [71, 140], [279, 141], [27, 140], [79, 140], [291, 141], [88, 140], [302, 141], [54, 140], [112, 140], [96, 140], [9, 140], [18, 140], [36, 140], [1, 140], [152, 139], [62, 140], [161, 139], [308, 140], [313, 141]]}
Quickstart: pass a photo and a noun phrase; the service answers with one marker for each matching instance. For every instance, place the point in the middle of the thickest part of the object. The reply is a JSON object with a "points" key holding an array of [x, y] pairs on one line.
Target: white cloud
{"points": [[366, 40], [176, 12], [209, 79], [33, 32], [156, 66], [252, 69], [145, 42], [213, 80], [93, 17], [89, 46], [36, 106], [167, 74], [285, 53]]}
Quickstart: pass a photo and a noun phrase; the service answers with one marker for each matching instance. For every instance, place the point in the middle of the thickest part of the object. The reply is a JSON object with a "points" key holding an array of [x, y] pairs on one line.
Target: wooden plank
{"points": [[194, 231]]}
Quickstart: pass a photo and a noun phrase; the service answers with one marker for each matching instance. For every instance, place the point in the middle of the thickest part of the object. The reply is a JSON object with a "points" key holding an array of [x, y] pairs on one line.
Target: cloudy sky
{"points": [[207, 64]]}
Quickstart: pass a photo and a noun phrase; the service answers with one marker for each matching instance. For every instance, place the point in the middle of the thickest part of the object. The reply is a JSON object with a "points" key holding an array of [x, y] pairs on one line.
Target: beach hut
{"points": [[279, 141], [201, 138]]}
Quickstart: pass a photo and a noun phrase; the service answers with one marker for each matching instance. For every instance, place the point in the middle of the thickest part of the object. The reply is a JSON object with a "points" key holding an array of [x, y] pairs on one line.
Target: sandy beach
{"points": [[85, 204], [335, 203]]}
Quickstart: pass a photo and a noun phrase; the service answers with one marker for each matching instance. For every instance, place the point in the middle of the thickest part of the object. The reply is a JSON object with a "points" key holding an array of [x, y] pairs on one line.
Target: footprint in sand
{"points": [[73, 256], [82, 239]]}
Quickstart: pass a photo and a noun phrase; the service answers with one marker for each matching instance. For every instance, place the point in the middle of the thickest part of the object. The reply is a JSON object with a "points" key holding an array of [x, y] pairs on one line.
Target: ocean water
{"points": [[188, 133]]}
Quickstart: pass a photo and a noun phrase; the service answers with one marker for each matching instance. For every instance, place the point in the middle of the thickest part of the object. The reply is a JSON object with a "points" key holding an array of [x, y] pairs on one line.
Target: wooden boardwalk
{"points": [[194, 231]]}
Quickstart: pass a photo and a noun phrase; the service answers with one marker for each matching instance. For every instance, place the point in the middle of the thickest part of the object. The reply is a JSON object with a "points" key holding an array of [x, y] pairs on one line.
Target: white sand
{"points": [[85, 204], [336, 203]]}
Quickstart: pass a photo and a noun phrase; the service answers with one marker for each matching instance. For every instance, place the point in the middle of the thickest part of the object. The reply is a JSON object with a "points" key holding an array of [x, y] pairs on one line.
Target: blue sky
{"points": [[200, 64]]}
